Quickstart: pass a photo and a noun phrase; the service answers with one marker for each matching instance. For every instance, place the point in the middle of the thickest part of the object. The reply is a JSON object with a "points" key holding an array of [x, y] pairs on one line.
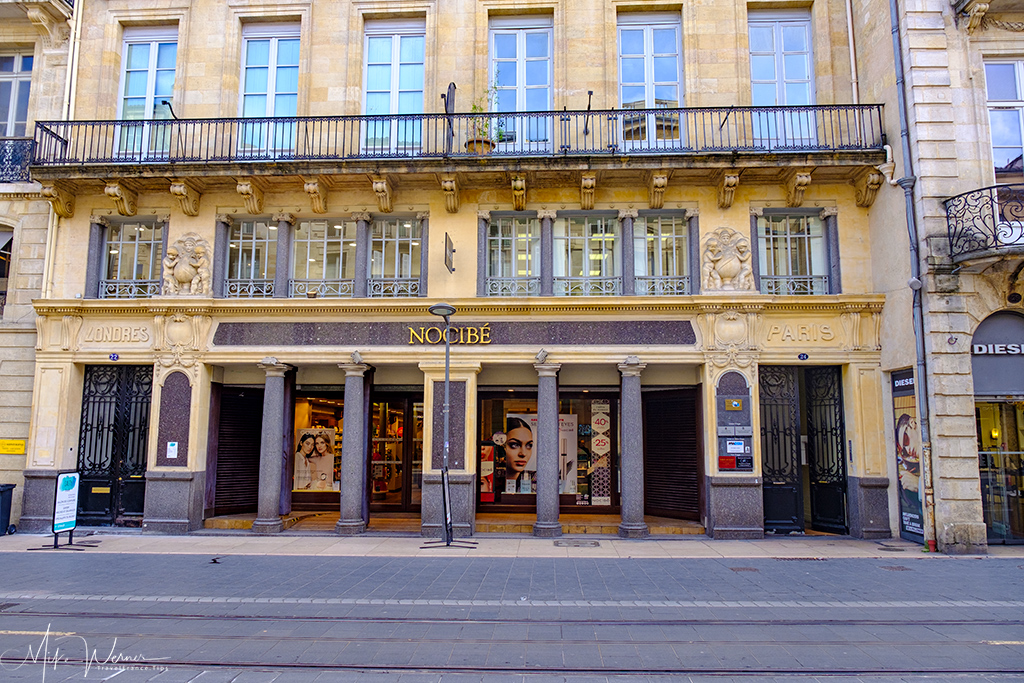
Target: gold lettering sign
{"points": [[810, 332], [12, 446], [117, 334], [456, 335]]}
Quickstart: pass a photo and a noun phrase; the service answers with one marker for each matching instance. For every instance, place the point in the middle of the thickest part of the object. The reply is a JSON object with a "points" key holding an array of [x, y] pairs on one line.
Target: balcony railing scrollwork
{"points": [[393, 287], [986, 222], [649, 285], [794, 284], [129, 289], [513, 286], [587, 286], [703, 130], [15, 157], [322, 288], [248, 289]]}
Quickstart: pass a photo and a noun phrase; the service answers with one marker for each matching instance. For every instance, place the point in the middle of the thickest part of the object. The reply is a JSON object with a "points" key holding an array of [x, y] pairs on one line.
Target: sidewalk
{"points": [[488, 545]]}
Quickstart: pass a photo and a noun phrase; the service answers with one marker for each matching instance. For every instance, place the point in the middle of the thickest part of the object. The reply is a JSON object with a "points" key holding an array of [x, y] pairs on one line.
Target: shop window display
{"points": [[508, 458], [318, 428], [1001, 462]]}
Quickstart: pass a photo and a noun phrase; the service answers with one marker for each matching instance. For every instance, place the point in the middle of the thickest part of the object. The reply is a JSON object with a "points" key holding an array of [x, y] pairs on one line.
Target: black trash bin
{"points": [[6, 495]]}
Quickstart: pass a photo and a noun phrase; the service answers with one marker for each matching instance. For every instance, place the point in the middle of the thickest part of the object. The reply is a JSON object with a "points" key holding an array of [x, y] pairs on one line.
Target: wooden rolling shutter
{"points": [[671, 468]]}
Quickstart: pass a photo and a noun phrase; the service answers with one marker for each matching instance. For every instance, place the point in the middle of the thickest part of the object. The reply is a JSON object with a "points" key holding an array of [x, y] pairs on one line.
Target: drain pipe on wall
{"points": [[916, 284]]}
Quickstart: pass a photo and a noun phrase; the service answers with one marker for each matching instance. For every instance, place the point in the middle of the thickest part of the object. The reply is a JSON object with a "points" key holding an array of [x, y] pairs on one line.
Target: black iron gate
{"points": [[826, 438], [780, 449], [112, 443]]}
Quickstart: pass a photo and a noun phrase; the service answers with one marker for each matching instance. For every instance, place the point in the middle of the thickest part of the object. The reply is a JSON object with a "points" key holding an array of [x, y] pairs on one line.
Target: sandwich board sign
{"points": [[65, 504]]}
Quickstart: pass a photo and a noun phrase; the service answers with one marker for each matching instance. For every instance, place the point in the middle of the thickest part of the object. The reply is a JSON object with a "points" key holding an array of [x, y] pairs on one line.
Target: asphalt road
{"points": [[165, 618]]}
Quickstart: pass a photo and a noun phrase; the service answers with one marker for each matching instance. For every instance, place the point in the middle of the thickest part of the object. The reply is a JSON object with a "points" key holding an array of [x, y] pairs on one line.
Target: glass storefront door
{"points": [[396, 453], [1001, 463]]}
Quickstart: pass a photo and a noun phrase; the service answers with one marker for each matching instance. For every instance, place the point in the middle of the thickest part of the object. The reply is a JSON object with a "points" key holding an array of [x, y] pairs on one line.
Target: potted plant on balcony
{"points": [[481, 133]]}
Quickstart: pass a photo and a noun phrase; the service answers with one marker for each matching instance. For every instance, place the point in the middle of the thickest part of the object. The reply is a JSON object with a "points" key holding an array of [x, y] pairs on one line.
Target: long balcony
{"points": [[986, 225], [837, 137]]}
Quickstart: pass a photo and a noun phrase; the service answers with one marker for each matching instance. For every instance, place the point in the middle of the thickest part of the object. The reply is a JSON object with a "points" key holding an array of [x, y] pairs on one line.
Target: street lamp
{"points": [[446, 311]]}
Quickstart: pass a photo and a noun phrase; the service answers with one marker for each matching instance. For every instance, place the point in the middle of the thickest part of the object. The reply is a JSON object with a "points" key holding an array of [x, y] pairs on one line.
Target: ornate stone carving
{"points": [[361, 216], [725, 262], [317, 191], [656, 190], [187, 267], [547, 213], [975, 15], [628, 213], [252, 194], [727, 188], [867, 186], [69, 328], [125, 199], [519, 192], [382, 188], [187, 194], [181, 339], [450, 187], [225, 218], [796, 184], [828, 212], [588, 183], [284, 218], [54, 31], [62, 200]]}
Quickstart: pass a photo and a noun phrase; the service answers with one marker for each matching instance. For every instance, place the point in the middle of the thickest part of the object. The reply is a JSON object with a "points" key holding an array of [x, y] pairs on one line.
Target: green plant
{"points": [[481, 126]]}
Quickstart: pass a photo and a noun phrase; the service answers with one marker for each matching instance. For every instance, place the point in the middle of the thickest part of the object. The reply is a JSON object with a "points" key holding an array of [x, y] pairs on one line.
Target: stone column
{"points": [[483, 224], [353, 518], [283, 265], [94, 269], [424, 219], [626, 217], [268, 521], [546, 451], [220, 254], [547, 253], [359, 287], [632, 462]]}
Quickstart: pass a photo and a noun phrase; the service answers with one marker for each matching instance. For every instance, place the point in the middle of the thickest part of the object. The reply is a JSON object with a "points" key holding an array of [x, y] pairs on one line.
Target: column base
{"points": [[350, 528], [963, 538], [633, 530], [547, 529], [268, 526]]}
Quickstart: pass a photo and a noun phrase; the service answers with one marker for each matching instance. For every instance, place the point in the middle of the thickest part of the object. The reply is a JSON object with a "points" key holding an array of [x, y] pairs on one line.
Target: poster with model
{"points": [[908, 455], [520, 457], [314, 460]]}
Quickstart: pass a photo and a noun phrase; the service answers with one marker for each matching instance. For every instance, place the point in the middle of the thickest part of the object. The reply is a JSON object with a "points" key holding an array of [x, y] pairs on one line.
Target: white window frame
{"points": [[661, 254], [397, 129], [251, 259], [19, 80], [144, 278], [146, 140], [599, 248], [393, 266], [1015, 105], [268, 139], [312, 272], [518, 239], [783, 130], [807, 253], [653, 124], [521, 132]]}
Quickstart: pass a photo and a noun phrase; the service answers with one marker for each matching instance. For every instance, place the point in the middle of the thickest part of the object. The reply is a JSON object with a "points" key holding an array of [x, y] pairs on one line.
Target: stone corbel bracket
{"points": [[975, 14], [187, 194], [656, 185], [126, 199], [54, 30], [518, 192], [382, 188], [588, 184], [450, 187], [727, 187], [796, 184], [316, 188], [251, 193], [61, 198], [867, 185]]}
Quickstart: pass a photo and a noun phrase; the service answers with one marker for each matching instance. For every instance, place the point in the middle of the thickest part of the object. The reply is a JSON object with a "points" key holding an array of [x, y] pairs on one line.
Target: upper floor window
{"points": [[324, 253], [1003, 82], [133, 260], [661, 254], [521, 77], [147, 88], [15, 83], [251, 258], [394, 82], [793, 255], [394, 262], [587, 257], [270, 85], [649, 74], [513, 256], [782, 74], [6, 240]]}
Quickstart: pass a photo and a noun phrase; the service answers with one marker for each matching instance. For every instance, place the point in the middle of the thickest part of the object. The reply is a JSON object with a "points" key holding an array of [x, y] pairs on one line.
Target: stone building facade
{"points": [[659, 226]]}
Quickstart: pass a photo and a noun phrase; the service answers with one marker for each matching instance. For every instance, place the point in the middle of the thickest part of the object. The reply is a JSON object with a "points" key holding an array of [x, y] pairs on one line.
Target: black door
{"points": [[112, 443], [826, 440], [238, 451], [672, 476], [780, 449]]}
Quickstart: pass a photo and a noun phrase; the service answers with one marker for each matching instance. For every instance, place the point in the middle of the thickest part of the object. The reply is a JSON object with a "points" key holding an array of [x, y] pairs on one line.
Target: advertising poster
{"points": [[908, 455], [65, 507], [520, 456], [487, 472], [314, 460]]}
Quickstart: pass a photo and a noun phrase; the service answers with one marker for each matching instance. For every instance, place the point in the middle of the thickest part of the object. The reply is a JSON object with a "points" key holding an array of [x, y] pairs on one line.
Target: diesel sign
{"points": [[997, 349]]}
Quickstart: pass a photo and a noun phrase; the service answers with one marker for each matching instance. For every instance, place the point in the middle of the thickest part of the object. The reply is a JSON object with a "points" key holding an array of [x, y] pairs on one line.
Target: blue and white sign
{"points": [[65, 505]]}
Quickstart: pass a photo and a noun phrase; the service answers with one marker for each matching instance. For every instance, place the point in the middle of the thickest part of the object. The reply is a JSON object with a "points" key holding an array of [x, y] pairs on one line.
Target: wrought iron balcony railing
{"points": [[986, 222], [15, 156], [824, 128]]}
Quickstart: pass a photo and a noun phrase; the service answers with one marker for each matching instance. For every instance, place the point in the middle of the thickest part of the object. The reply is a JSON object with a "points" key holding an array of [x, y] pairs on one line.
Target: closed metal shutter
{"points": [[238, 451], [672, 472]]}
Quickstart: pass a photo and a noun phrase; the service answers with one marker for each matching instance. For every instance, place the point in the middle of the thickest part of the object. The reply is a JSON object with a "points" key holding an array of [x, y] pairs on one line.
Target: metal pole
{"points": [[444, 465]]}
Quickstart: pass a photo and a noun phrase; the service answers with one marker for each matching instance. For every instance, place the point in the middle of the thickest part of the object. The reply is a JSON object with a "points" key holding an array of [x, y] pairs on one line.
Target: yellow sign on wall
{"points": [[12, 446]]}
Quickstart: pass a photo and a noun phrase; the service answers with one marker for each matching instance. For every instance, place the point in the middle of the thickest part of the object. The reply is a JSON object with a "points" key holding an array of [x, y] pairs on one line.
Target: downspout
{"points": [[916, 284], [853, 52]]}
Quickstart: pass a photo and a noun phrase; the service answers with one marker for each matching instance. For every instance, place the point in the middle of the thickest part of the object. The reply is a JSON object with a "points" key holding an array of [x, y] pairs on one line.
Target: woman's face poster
{"points": [[314, 460]]}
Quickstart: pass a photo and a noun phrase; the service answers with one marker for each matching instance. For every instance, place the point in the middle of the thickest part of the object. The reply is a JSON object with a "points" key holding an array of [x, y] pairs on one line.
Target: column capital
{"points": [[272, 367], [354, 369], [486, 215], [628, 213], [632, 367], [547, 213], [547, 369], [225, 218], [363, 216], [284, 218]]}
